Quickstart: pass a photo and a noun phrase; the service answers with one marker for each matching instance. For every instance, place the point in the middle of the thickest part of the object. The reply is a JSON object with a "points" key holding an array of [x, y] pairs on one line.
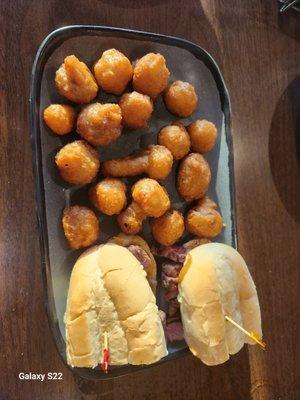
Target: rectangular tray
{"points": [[186, 61]]}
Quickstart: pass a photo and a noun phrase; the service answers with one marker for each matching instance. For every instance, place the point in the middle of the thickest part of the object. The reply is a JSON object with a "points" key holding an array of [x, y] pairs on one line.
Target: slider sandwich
{"points": [[109, 294], [214, 286]]}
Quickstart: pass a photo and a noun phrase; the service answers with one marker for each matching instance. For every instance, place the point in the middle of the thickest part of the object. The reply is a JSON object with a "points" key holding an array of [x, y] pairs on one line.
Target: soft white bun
{"points": [[215, 282], [109, 292]]}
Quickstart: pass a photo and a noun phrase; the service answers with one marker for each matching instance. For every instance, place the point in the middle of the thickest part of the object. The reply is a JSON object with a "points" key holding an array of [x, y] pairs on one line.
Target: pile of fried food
{"points": [[100, 124], [100, 271]]}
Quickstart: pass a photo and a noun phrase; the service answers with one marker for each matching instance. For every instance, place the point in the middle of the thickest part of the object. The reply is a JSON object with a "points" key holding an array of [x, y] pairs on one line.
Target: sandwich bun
{"points": [[213, 283], [134, 240], [109, 292]]}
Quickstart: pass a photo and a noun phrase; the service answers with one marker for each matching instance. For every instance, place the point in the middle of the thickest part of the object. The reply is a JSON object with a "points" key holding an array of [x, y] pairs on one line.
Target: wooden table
{"points": [[258, 52]]}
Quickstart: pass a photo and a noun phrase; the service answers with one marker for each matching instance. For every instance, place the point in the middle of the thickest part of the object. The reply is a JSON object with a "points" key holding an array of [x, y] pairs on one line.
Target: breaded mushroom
{"points": [[168, 228], [193, 177], [100, 124], [156, 162], [81, 226], [203, 135], [151, 75], [175, 138], [109, 196], [77, 162], [181, 99], [149, 199], [136, 110], [204, 220], [113, 71], [60, 118], [75, 81]]}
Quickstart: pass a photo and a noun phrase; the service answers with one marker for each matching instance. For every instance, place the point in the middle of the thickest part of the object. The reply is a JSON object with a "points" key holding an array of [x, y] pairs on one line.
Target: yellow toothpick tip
{"points": [[254, 336]]}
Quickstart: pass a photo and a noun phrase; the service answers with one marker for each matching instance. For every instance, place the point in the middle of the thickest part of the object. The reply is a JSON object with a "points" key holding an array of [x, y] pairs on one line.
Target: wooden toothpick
{"points": [[254, 336]]}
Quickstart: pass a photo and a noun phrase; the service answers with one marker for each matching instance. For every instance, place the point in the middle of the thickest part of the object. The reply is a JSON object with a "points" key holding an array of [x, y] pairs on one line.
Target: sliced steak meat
{"points": [[173, 307], [171, 294], [140, 254], [171, 269], [191, 244], [174, 331], [169, 282], [173, 253]]}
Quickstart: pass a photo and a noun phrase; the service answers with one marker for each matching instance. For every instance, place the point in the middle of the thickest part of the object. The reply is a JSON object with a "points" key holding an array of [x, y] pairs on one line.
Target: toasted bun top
{"points": [[215, 282], [109, 292]]}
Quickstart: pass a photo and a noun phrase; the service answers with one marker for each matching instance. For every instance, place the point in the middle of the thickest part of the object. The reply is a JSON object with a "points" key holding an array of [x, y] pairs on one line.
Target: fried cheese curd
{"points": [[60, 118], [75, 81], [149, 199], [168, 228], [203, 135], [193, 177], [203, 220], [175, 138], [100, 124], [113, 71], [77, 162], [136, 110], [81, 226], [181, 99], [151, 75], [109, 196]]}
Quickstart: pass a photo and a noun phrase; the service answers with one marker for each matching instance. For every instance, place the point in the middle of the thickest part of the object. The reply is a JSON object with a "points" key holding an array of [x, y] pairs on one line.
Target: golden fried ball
{"points": [[60, 118], [100, 124], [168, 228], [78, 162], [151, 197], [204, 220], [150, 75], [131, 219], [81, 226], [160, 161], [176, 139], [113, 71], [203, 135], [193, 177], [181, 99], [109, 196], [136, 110], [75, 81]]}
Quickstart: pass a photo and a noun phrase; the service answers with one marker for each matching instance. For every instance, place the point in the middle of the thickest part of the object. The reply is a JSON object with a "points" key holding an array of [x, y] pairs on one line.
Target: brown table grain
{"points": [[258, 52]]}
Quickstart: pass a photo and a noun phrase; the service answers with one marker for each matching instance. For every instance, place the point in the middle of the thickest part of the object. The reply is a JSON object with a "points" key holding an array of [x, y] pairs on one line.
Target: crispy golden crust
{"points": [[81, 226], [77, 162], [204, 220], [181, 99], [60, 118], [100, 124], [136, 110], [127, 240], [175, 138], [168, 228], [75, 81], [150, 75], [203, 135], [151, 197], [131, 219], [193, 177], [109, 196], [113, 71], [157, 162]]}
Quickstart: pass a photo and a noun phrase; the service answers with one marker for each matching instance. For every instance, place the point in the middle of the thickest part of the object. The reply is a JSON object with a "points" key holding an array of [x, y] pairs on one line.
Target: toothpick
{"points": [[106, 355], [254, 336]]}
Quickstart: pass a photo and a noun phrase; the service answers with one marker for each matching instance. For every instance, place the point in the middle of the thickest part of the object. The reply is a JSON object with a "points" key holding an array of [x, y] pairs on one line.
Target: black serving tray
{"points": [[186, 61]]}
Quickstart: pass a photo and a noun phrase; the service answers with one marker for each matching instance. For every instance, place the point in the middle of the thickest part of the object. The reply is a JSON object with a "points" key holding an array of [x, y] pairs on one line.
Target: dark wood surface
{"points": [[258, 52]]}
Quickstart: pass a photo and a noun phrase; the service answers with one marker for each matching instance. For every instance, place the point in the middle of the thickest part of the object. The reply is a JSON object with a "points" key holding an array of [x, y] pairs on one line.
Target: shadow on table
{"points": [[288, 23], [284, 148]]}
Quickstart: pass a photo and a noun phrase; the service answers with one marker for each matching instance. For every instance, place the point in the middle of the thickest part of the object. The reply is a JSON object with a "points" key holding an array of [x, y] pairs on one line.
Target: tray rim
{"points": [[46, 48]]}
